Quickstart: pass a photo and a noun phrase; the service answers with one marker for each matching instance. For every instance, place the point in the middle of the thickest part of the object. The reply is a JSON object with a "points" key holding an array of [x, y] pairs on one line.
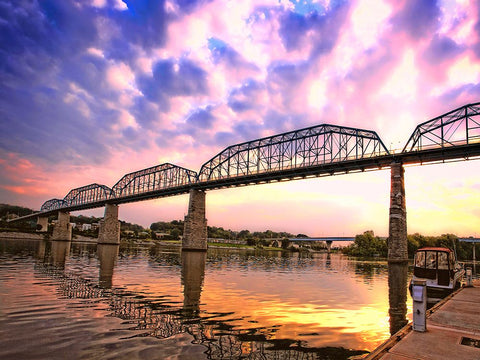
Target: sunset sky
{"points": [[93, 89]]}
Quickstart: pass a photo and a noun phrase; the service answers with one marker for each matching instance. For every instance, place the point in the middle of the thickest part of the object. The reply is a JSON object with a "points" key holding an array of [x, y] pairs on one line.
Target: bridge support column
{"points": [[109, 230], [329, 246], [397, 233], [42, 223], [195, 226], [62, 229]]}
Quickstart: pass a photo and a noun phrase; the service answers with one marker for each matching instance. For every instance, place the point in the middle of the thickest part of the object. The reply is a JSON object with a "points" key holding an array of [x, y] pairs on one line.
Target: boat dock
{"points": [[453, 332]]}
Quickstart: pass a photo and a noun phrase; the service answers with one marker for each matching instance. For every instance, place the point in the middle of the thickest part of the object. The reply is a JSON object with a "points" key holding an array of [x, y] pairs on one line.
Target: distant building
{"points": [[161, 235], [86, 227], [227, 241]]}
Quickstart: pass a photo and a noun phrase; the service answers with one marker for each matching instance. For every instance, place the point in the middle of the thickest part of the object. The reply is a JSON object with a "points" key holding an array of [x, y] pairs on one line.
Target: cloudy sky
{"points": [[93, 89]]}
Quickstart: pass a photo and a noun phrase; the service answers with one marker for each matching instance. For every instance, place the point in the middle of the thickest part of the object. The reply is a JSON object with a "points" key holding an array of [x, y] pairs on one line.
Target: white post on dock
{"points": [[468, 276], [419, 295]]}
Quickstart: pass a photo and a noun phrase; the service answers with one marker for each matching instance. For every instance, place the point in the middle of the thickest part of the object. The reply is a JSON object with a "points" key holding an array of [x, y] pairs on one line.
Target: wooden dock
{"points": [[453, 332]]}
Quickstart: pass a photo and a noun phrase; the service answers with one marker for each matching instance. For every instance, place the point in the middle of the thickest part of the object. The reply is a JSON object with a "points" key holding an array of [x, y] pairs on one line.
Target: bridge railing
{"points": [[310, 147], [455, 128]]}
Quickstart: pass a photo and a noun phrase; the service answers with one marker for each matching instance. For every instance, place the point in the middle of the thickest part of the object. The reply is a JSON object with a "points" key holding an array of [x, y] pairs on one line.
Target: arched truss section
{"points": [[88, 194], [457, 127], [156, 178], [314, 146], [53, 204]]}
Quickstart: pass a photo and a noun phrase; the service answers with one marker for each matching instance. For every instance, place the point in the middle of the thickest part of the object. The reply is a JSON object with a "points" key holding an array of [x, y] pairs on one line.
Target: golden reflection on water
{"points": [[315, 306], [238, 301], [367, 326]]}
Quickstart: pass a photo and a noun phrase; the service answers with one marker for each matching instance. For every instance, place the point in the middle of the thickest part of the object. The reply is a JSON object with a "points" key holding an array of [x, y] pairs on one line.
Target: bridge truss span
{"points": [[52, 204], [88, 196], [306, 151], [320, 150], [455, 128], [164, 179]]}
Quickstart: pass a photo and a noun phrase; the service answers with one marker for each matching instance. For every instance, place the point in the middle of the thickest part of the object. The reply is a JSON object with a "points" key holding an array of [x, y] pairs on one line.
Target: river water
{"points": [[82, 301]]}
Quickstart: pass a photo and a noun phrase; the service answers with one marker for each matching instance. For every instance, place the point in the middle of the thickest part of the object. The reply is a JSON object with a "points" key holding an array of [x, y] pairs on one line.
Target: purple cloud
{"points": [[417, 18]]}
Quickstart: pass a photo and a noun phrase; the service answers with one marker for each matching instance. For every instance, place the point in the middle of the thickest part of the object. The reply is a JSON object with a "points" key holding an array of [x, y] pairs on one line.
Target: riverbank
{"points": [[85, 239], [20, 235]]}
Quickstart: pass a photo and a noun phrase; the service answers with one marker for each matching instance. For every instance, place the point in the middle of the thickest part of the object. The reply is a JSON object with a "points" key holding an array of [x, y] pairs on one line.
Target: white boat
{"points": [[440, 269]]}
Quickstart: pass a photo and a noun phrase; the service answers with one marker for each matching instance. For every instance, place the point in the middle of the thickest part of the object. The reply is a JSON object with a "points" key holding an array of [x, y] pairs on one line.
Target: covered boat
{"points": [[439, 268]]}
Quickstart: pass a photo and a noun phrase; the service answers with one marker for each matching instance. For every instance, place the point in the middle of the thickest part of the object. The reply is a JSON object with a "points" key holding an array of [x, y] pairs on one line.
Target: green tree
{"points": [[367, 244], [175, 234]]}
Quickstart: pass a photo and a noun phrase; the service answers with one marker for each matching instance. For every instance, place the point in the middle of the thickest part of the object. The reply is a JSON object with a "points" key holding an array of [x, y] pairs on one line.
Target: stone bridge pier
{"points": [[42, 223], [397, 232], [62, 229], [109, 230], [195, 226]]}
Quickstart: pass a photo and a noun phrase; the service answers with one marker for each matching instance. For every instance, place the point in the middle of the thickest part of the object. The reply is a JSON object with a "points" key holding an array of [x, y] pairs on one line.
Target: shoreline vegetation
{"points": [[170, 233], [369, 245]]}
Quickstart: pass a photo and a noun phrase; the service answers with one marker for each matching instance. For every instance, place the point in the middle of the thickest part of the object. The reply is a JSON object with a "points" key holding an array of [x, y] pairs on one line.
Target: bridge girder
{"points": [[156, 178], [458, 127], [87, 194], [300, 149]]}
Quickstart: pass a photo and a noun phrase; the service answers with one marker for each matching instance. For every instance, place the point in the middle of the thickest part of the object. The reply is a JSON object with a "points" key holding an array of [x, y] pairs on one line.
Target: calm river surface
{"points": [[82, 301]]}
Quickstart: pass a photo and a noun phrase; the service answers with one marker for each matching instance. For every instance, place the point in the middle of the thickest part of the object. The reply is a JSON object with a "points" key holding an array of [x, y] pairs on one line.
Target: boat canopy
{"points": [[435, 249], [434, 263]]}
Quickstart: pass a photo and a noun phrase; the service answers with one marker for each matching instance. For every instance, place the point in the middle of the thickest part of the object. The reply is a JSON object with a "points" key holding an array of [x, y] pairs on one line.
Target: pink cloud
{"points": [[108, 109]]}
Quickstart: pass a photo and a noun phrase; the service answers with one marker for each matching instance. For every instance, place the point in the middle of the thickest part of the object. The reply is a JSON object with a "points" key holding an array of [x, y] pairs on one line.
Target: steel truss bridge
{"points": [[321, 150]]}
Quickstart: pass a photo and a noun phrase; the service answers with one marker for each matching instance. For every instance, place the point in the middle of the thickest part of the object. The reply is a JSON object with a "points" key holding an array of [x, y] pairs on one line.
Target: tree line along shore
{"points": [[364, 245]]}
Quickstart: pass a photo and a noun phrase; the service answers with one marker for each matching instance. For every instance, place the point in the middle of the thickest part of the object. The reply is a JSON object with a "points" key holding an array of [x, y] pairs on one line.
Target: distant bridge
{"points": [[332, 238], [321, 150], [469, 239], [327, 240]]}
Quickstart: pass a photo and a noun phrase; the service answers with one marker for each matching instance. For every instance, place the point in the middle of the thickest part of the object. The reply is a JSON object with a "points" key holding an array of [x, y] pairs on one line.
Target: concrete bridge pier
{"points": [[62, 229], [109, 230], [195, 226], [397, 233], [42, 223], [329, 246]]}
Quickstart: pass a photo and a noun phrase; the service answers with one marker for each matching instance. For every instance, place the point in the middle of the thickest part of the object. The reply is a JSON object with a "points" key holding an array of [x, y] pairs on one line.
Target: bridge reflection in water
{"points": [[397, 295], [163, 320]]}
